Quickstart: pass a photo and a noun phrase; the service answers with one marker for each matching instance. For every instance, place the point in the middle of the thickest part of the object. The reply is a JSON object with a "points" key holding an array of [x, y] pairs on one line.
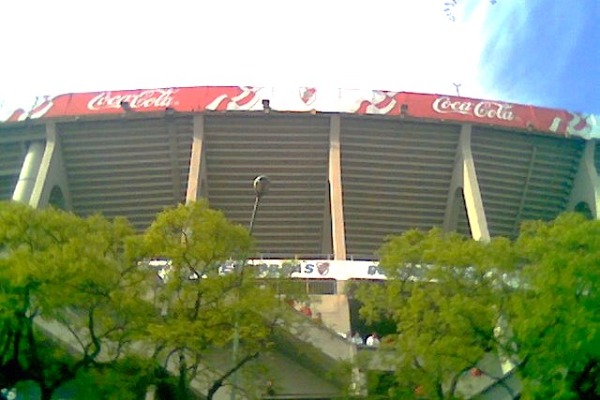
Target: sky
{"points": [[540, 52]]}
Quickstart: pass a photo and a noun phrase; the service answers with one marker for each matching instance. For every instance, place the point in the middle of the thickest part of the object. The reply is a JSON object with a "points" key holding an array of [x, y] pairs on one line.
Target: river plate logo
{"points": [[308, 95], [323, 268]]}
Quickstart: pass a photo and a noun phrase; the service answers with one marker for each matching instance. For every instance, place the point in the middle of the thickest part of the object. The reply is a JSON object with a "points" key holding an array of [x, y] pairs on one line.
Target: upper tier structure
{"points": [[347, 167]]}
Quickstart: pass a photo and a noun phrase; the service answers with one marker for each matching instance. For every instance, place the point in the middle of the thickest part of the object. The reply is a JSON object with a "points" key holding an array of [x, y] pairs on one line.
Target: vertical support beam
{"points": [[586, 187], [472, 194], [29, 172], [197, 170], [335, 190], [532, 160], [456, 184], [52, 172], [465, 177]]}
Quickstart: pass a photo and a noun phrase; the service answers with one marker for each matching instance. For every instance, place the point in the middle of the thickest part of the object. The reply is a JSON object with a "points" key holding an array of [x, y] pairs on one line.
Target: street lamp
{"points": [[261, 187]]}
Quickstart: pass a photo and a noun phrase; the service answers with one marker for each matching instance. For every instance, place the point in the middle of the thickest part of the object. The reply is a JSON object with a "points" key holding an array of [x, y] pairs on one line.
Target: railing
{"points": [[312, 256], [305, 286]]}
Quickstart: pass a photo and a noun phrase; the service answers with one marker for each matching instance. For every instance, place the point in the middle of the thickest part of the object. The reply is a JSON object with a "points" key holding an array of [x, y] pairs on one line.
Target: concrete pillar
{"points": [[52, 173], [197, 174], [335, 190], [464, 178], [586, 186], [29, 173]]}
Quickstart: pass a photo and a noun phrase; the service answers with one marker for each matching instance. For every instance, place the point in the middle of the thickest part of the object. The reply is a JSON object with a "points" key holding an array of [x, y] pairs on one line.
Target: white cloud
{"points": [[507, 52]]}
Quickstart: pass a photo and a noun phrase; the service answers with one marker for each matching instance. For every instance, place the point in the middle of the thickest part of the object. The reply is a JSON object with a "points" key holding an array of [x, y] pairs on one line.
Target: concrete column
{"points": [[586, 187], [197, 169], [456, 185], [464, 178], [29, 173], [335, 190], [52, 173]]}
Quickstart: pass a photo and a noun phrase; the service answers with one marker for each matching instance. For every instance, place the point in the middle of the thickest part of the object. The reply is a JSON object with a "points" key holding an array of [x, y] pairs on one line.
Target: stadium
{"points": [[347, 168]]}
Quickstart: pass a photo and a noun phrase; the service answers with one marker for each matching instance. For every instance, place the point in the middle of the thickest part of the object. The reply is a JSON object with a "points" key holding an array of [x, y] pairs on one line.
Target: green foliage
{"points": [[204, 308], [68, 277], [76, 297], [442, 297], [454, 300], [125, 379], [555, 321]]}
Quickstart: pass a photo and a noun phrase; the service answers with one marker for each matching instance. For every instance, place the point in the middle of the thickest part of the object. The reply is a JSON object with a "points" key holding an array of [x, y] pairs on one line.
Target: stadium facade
{"points": [[347, 167]]}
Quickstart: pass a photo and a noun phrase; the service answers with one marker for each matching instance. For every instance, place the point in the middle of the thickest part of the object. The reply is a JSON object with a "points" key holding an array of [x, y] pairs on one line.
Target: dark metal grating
{"points": [[131, 168], [523, 176], [14, 142], [292, 150], [395, 173], [395, 177]]}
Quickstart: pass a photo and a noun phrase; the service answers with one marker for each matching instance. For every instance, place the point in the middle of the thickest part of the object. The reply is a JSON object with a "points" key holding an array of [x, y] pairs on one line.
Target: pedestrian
{"points": [[357, 339], [373, 340], [305, 309], [318, 318]]}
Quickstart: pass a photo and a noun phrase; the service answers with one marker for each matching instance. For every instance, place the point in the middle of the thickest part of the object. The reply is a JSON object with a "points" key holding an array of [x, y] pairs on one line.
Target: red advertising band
{"points": [[310, 99]]}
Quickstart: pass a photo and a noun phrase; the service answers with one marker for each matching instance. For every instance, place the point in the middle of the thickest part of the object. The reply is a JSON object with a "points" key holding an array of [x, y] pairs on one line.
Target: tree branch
{"points": [[219, 382]]}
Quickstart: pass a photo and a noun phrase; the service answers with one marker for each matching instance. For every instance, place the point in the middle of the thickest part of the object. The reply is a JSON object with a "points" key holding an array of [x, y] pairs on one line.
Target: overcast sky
{"points": [[541, 52]]}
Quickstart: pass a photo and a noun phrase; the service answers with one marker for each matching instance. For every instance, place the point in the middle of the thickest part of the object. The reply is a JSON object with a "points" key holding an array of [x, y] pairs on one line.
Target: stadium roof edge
{"points": [[311, 100]]}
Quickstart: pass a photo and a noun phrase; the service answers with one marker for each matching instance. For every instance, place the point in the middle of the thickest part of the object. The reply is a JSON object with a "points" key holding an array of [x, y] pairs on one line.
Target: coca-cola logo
{"points": [[482, 109], [160, 98]]}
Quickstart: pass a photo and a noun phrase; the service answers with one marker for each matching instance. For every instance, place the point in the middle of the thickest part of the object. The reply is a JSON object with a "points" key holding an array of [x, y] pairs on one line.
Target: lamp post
{"points": [[261, 187]]}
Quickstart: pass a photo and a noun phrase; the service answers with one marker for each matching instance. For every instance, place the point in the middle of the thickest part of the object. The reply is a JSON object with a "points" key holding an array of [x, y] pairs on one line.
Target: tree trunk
{"points": [[182, 383], [587, 381], [46, 393]]}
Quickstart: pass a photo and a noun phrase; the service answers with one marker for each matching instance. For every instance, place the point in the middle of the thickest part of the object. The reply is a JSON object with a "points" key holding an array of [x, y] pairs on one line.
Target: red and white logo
{"points": [[574, 124], [481, 109], [159, 98], [323, 267], [383, 103], [243, 98], [308, 95], [39, 109]]}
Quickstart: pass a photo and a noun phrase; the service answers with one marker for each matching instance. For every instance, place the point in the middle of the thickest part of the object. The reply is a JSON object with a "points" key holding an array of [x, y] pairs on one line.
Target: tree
{"points": [[125, 379], [70, 295], [443, 301], [209, 298], [455, 301], [554, 319], [78, 301]]}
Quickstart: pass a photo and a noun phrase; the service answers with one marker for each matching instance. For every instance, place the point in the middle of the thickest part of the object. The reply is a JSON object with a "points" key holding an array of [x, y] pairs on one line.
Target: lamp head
{"points": [[261, 185]]}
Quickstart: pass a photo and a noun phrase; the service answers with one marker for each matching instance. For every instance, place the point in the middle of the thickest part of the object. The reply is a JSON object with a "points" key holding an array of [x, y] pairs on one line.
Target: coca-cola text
{"points": [[159, 98], [482, 109]]}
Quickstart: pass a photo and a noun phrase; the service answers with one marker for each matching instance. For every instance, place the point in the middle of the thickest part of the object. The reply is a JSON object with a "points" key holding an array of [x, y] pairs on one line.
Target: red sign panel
{"points": [[476, 111], [224, 98]]}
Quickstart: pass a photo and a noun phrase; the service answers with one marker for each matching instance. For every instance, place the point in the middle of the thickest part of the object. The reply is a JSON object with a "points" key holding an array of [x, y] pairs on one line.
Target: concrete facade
{"points": [[340, 183]]}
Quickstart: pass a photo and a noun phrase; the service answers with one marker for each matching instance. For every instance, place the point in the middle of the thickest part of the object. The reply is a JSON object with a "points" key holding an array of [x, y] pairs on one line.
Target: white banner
{"points": [[318, 269], [296, 269]]}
